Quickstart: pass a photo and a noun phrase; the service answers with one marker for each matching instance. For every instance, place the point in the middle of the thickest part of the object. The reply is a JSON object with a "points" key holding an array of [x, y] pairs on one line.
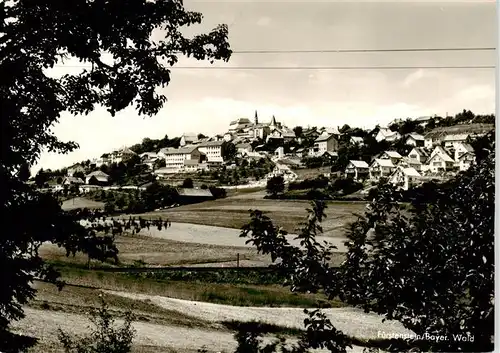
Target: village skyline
{"points": [[205, 101]]}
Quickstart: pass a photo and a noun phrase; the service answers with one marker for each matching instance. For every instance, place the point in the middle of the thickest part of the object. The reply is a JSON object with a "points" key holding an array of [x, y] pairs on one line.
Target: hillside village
{"points": [[405, 152]]}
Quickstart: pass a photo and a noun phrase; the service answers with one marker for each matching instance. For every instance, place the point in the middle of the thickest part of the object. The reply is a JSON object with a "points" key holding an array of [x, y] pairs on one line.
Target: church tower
{"points": [[256, 119], [273, 122]]}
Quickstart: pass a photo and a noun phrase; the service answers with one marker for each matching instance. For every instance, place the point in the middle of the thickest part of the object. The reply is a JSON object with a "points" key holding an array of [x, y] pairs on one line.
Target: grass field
{"points": [[201, 289], [164, 252], [234, 213], [81, 202]]}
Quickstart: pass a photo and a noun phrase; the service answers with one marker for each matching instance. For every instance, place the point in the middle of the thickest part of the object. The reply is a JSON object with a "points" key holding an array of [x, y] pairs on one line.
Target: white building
{"points": [[387, 135], [212, 150], [188, 139], [282, 170], [465, 161], [416, 140], [394, 156], [325, 143], [440, 161], [100, 177], [75, 169], [175, 157], [417, 158], [357, 170], [453, 140], [381, 168], [279, 153], [356, 140], [405, 178]]}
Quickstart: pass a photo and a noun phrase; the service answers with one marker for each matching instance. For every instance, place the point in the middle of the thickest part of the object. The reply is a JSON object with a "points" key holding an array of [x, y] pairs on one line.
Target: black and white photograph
{"points": [[247, 176]]}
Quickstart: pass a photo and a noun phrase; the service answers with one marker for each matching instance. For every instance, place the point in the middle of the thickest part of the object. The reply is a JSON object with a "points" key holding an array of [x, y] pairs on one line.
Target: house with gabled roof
{"points": [[385, 134], [324, 143], [455, 139], [188, 139], [417, 158], [416, 140], [419, 154], [76, 168], [465, 161], [381, 168], [405, 177], [357, 170], [356, 140], [71, 180], [100, 176], [440, 161], [394, 156], [462, 148]]}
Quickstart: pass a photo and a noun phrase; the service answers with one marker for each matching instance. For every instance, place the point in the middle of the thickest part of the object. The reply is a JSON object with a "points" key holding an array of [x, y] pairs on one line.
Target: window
{"points": [[436, 163]]}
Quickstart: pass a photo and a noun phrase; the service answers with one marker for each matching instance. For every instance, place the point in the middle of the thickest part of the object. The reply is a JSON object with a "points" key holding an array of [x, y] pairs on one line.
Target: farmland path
{"points": [[201, 234], [352, 322], [45, 324]]}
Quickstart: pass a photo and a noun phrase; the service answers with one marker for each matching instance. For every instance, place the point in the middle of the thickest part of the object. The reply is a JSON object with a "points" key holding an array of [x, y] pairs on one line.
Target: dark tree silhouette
{"points": [[188, 183], [298, 130], [275, 185], [228, 151], [35, 36], [431, 268]]}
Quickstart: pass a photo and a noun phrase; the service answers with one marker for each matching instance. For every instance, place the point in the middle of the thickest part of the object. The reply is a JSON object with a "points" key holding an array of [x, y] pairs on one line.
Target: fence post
{"points": [[238, 260]]}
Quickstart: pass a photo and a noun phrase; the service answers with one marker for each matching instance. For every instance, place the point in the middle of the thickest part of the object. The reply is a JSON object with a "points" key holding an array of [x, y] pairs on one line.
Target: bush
{"points": [[275, 185], [320, 182], [105, 337], [218, 193], [346, 186], [188, 183]]}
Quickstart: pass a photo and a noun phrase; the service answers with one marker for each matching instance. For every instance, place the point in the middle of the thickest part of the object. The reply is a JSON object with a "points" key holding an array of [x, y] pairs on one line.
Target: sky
{"points": [[205, 101]]}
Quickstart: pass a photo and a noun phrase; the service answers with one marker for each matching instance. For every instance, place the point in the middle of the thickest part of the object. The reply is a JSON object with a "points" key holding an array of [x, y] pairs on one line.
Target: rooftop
{"points": [[98, 173], [393, 154], [359, 164], [384, 162], [181, 150], [324, 137], [211, 143]]}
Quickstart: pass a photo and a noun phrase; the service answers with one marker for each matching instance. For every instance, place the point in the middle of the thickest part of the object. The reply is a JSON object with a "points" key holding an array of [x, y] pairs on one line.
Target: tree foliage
{"points": [[228, 151], [432, 268], [35, 36], [188, 183], [275, 185]]}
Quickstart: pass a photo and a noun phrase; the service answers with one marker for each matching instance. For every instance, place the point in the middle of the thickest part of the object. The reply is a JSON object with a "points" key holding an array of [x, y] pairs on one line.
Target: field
{"points": [[81, 202], [162, 252], [184, 311], [234, 213]]}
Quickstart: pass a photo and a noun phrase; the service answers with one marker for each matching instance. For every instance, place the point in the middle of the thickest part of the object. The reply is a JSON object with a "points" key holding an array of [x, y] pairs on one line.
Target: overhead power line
{"points": [[362, 50], [466, 67]]}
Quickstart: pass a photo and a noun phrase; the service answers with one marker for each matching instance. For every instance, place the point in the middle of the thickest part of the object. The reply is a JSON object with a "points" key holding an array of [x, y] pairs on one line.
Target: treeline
{"points": [[152, 145], [130, 172], [155, 196], [243, 170], [320, 188]]}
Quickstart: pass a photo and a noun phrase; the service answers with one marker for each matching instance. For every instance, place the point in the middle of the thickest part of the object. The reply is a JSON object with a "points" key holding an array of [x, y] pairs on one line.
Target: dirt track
{"points": [[352, 322], [45, 324]]}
